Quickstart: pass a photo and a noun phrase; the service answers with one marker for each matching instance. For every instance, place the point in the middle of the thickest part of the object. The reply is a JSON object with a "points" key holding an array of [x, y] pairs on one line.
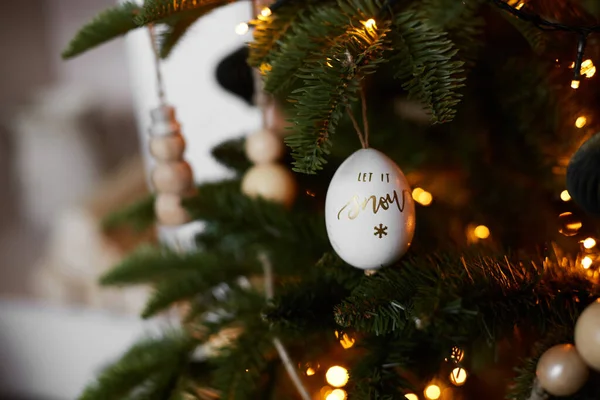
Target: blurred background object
{"points": [[71, 150]]}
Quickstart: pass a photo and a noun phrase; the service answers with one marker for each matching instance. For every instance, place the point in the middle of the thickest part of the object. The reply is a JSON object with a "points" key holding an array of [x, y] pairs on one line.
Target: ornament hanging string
{"points": [[160, 86], [363, 135]]}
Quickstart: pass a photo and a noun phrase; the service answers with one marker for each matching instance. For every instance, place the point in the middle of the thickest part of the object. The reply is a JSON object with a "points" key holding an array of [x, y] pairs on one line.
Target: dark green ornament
{"points": [[583, 175]]}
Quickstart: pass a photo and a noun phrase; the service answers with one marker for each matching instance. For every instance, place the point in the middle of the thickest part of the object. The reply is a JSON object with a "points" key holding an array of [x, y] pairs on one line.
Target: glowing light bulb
{"points": [[266, 12], [411, 396], [337, 394], [565, 196], [458, 376], [433, 392], [586, 262], [416, 193], [425, 198], [587, 68], [241, 28], [370, 24], [346, 341], [591, 72], [575, 84], [482, 232], [310, 372], [457, 354], [337, 376], [589, 243], [580, 121]]}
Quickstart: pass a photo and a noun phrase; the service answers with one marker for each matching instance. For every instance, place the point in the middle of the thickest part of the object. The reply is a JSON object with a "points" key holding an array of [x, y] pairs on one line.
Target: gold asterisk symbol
{"points": [[380, 231]]}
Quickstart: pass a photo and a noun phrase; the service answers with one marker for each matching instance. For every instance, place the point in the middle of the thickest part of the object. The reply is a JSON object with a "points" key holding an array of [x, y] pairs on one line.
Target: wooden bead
{"points": [[561, 370], [173, 177], [167, 148], [276, 120], [272, 182], [169, 211], [587, 335], [264, 147]]}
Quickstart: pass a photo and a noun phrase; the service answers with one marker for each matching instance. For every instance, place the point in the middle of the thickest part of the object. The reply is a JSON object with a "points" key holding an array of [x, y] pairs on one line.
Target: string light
{"points": [[433, 392], [241, 28], [411, 396], [588, 69], [580, 121], [337, 376], [310, 372], [575, 84], [565, 196], [586, 262], [589, 243], [346, 341], [422, 197], [337, 394], [370, 24], [457, 354], [266, 12], [481, 232], [458, 376]]}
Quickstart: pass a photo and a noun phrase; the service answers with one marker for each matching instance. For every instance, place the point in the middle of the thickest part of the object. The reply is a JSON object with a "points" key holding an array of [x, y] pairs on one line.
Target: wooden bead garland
{"points": [[563, 369], [172, 177], [267, 179]]}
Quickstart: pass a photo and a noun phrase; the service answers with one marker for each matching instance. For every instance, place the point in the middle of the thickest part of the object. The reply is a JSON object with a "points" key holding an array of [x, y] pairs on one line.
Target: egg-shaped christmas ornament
{"points": [[583, 175], [369, 210], [587, 335]]}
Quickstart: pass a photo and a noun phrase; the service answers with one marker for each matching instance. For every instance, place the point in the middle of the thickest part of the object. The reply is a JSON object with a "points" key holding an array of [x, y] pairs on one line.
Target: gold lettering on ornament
{"points": [[355, 205]]}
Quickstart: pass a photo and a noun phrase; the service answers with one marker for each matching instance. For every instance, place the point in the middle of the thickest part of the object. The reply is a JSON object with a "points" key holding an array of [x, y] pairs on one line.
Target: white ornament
{"points": [[272, 182], [369, 210], [264, 147]]}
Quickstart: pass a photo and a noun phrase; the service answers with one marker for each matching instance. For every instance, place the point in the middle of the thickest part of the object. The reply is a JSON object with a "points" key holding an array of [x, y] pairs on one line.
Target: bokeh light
{"points": [[337, 376]]}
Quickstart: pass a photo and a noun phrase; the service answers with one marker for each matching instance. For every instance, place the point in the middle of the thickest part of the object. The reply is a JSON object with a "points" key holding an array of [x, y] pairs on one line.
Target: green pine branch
{"points": [[424, 62], [139, 215], [160, 10], [108, 25], [232, 154], [151, 366]]}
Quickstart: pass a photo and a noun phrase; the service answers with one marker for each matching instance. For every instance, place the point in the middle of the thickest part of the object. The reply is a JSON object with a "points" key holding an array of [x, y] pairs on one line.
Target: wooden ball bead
{"points": [[587, 335], [264, 147], [561, 371], [173, 177], [272, 182], [167, 148], [169, 211]]}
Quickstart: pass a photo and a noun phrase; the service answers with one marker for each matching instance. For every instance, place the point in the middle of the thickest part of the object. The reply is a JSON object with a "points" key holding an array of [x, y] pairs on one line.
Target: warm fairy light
{"points": [[337, 394], [370, 24], [575, 84], [433, 392], [457, 354], [580, 121], [411, 396], [337, 376], [346, 341], [589, 243], [241, 28], [587, 68], [422, 197], [520, 5], [458, 376], [481, 232], [586, 262], [565, 196], [266, 12], [416, 193], [310, 372]]}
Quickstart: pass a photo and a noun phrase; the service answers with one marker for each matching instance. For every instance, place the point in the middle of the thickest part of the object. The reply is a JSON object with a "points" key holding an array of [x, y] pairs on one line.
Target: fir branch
{"points": [[108, 25], [176, 28], [331, 83], [151, 366], [268, 31], [424, 62], [210, 271], [232, 154], [139, 215], [159, 10]]}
